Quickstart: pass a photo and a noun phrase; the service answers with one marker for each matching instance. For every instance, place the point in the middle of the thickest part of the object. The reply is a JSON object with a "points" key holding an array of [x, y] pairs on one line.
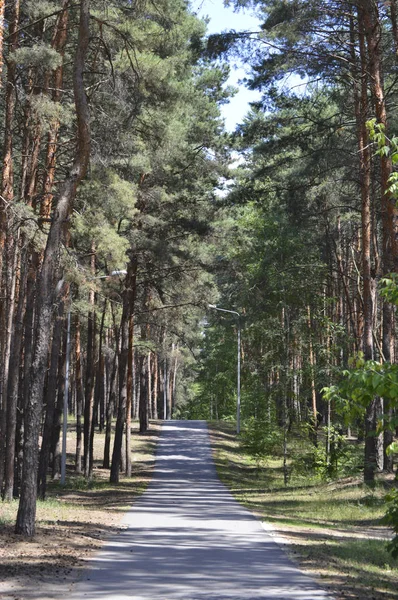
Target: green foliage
{"points": [[344, 458], [386, 147], [262, 439], [361, 383], [46, 111], [40, 55], [388, 288], [391, 519]]}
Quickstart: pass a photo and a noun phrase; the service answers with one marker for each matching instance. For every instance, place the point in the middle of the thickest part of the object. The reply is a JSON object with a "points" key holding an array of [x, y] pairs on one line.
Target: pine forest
{"points": [[155, 266]]}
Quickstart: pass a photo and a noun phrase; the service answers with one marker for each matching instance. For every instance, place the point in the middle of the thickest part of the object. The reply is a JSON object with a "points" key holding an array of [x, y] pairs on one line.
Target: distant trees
{"points": [[316, 216], [112, 148]]}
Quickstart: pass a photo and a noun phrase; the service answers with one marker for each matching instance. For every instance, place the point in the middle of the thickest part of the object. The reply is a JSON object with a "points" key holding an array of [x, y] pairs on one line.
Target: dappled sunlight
{"points": [[187, 538]]}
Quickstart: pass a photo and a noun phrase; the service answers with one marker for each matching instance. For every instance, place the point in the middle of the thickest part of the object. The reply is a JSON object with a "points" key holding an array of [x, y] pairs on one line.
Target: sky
{"points": [[221, 19]]}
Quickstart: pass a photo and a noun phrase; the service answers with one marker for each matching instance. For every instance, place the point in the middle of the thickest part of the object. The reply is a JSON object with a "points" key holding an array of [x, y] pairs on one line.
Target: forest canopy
{"points": [[126, 209]]}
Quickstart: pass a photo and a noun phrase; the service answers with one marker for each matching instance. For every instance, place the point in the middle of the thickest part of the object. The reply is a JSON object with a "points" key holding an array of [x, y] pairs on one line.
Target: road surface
{"points": [[188, 539]]}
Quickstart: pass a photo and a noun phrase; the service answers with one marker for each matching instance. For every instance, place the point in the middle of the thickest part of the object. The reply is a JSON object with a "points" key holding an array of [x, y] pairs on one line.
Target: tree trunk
{"points": [[128, 310], [143, 405], [98, 389], [90, 373], [58, 43], [109, 411], [50, 401], [155, 387], [2, 6], [25, 523], [394, 24], [311, 357], [6, 197], [13, 384], [129, 395], [79, 396]]}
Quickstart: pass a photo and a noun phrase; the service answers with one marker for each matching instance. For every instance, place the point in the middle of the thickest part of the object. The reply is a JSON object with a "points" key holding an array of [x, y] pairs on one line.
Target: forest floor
{"points": [[330, 529], [73, 522]]}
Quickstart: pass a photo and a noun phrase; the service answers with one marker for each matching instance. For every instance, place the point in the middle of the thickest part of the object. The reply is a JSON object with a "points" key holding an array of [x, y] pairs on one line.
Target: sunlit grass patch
{"points": [[333, 527]]}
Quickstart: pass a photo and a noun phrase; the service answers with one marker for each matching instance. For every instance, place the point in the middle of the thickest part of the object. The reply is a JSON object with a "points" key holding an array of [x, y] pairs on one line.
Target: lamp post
{"points": [[67, 370], [233, 312]]}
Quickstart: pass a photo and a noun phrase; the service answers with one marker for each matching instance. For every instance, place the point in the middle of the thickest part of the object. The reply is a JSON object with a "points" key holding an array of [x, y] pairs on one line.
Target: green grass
{"points": [[325, 521]]}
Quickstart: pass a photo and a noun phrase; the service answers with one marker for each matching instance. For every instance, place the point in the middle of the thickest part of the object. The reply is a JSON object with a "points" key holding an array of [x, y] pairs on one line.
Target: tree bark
{"points": [[25, 523], [128, 309], [2, 6], [90, 373], [50, 400], [143, 401], [79, 396], [7, 196], [129, 395], [13, 384], [109, 411]]}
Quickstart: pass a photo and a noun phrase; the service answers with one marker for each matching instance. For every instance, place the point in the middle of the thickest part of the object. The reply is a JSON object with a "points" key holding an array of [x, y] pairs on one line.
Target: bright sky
{"points": [[222, 19]]}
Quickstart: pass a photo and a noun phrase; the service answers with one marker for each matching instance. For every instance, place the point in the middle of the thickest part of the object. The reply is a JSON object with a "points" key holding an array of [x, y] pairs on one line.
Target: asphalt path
{"points": [[188, 539]]}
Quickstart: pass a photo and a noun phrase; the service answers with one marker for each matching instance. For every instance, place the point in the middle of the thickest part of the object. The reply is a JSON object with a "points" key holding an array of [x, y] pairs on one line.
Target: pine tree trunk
{"points": [[311, 357], [90, 373], [2, 6], [128, 310], [394, 24], [143, 401], [361, 114], [6, 198], [155, 387], [79, 397], [13, 384], [98, 388], [25, 523], [109, 411], [370, 17], [55, 446], [50, 400], [150, 394], [129, 395], [58, 43]]}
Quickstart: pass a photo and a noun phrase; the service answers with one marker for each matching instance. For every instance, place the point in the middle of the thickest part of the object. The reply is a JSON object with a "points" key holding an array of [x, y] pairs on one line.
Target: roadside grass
{"points": [[75, 518], [333, 528]]}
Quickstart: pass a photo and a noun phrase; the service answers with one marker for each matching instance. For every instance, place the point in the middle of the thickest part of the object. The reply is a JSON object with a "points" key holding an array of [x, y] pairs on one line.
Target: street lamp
{"points": [[233, 312]]}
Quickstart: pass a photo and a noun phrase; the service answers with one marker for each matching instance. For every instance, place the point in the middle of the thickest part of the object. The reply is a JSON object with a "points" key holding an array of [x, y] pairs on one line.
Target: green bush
{"points": [[343, 460], [391, 518], [262, 439]]}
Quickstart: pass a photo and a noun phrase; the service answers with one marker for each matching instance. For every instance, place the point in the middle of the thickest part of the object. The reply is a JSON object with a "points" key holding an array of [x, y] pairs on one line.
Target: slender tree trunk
{"points": [[143, 406], [128, 310], [311, 357], [370, 17], [55, 431], [2, 6], [79, 396], [50, 401], [150, 394], [109, 410], [25, 523], [6, 198], [129, 395], [90, 372], [394, 24], [99, 388], [13, 384], [155, 386], [58, 43]]}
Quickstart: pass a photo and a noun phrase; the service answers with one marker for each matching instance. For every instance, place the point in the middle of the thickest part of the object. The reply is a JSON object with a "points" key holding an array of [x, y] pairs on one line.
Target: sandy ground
{"points": [[71, 526]]}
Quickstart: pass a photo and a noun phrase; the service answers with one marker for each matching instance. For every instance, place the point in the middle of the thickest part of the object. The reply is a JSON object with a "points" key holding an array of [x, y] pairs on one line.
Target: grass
{"points": [[333, 528]]}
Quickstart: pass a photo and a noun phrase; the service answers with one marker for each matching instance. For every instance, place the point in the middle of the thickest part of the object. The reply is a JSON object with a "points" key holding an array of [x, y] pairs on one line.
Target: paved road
{"points": [[188, 539]]}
